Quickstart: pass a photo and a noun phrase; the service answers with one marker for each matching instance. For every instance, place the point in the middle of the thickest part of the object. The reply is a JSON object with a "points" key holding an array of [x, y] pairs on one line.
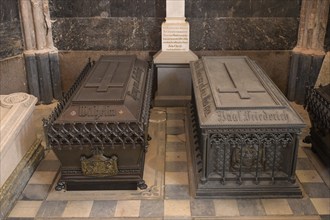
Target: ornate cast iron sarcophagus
{"points": [[317, 104], [99, 130], [245, 134]]}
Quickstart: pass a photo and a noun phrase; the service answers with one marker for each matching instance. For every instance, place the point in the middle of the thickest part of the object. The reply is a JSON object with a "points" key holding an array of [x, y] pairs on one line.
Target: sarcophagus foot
{"points": [[244, 132], [99, 130]]}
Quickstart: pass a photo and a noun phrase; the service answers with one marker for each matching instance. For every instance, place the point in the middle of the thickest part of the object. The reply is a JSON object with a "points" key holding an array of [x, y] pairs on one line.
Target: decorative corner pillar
{"points": [[41, 57], [307, 56]]}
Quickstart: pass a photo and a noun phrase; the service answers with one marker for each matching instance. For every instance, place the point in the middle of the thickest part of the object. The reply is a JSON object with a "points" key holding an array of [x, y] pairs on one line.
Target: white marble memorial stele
{"points": [[17, 132], [175, 36]]}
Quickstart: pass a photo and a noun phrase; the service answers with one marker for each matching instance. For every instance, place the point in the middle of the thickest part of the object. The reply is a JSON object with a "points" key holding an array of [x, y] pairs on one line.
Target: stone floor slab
{"points": [[322, 205], [103, 208], [250, 207], [301, 153], [176, 156], [177, 178], [304, 164], [177, 208], [176, 138], [50, 155], [176, 110], [175, 116], [49, 165], [226, 207], [78, 209], [176, 166], [316, 190], [177, 192], [320, 167], [308, 176], [201, 207], [35, 192], [174, 123], [175, 130], [325, 217], [276, 207], [43, 177], [128, 208], [52, 209], [25, 209], [152, 208], [302, 206]]}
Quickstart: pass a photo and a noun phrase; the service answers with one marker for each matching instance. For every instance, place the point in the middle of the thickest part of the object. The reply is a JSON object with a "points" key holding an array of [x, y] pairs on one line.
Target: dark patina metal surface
{"points": [[245, 134], [99, 130], [317, 104]]}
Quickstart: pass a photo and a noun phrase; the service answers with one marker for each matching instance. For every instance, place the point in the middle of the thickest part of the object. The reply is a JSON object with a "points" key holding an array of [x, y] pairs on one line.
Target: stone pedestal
{"points": [[175, 36], [171, 62], [20, 149], [173, 84]]}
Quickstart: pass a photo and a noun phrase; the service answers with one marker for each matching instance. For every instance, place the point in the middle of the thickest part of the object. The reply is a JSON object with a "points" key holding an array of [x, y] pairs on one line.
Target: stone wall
{"points": [[264, 30], [13, 75], [12, 71], [11, 43], [254, 27], [135, 24]]}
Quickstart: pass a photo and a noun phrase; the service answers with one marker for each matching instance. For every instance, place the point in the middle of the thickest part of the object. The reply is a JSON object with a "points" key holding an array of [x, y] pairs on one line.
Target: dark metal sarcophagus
{"points": [[245, 134], [99, 130], [317, 104]]}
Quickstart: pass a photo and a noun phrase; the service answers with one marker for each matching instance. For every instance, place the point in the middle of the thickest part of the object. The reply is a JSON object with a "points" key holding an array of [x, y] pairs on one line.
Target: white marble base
{"points": [[175, 8], [17, 132], [166, 57]]}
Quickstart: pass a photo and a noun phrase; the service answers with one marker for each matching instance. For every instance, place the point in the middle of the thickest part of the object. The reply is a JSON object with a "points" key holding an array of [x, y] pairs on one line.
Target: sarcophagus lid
{"points": [[234, 91], [112, 91]]}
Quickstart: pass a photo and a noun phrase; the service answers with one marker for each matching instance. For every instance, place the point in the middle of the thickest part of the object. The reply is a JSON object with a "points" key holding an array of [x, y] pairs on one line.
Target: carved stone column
{"points": [[41, 57], [308, 55]]}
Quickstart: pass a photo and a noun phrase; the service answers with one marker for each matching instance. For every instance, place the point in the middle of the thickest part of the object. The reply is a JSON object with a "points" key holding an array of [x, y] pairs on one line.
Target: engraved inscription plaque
{"points": [[245, 134], [175, 37]]}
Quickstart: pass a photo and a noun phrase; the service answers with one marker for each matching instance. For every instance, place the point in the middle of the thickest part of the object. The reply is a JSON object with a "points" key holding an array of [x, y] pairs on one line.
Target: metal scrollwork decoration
{"points": [[99, 165]]}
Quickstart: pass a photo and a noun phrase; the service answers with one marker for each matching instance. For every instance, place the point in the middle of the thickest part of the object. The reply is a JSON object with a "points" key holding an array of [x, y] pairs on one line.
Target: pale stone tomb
{"points": [[20, 149]]}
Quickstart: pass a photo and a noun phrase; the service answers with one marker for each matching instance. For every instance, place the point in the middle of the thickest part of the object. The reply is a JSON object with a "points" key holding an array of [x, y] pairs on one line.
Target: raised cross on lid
{"points": [[106, 80], [239, 84]]}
